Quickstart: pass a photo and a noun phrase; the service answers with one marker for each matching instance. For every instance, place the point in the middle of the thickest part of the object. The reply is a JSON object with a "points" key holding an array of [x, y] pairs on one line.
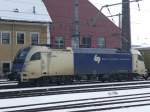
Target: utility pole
{"points": [[76, 25], [126, 25]]}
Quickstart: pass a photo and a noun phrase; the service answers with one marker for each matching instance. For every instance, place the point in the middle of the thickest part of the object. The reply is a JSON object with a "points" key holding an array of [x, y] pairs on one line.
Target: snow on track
{"points": [[97, 98], [8, 84], [81, 85]]}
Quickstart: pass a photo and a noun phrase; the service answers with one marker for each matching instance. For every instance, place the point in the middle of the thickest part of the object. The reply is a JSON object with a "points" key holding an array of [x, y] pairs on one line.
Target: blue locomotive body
{"points": [[96, 61]]}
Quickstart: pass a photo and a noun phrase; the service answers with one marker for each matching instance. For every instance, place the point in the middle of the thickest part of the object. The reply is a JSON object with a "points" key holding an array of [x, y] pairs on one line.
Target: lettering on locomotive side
{"points": [[97, 59]]}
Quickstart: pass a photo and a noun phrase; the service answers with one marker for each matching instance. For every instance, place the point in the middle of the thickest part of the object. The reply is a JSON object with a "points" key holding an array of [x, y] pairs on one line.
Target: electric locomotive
{"points": [[41, 64]]}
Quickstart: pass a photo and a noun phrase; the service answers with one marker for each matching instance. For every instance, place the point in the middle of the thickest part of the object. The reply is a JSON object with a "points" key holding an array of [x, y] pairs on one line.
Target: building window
{"points": [[101, 42], [6, 67], [5, 37], [20, 37], [86, 42], [59, 42], [34, 38]]}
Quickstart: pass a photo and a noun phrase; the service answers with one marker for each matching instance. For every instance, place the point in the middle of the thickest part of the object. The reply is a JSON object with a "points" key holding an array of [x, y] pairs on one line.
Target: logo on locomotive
{"points": [[97, 59]]}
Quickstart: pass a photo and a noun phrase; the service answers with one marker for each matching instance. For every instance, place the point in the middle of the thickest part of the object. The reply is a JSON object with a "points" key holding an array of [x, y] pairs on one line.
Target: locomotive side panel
{"points": [[61, 63], [48, 63], [91, 63]]}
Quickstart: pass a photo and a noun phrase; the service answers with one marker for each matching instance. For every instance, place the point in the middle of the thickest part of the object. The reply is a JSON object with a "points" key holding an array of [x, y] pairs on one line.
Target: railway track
{"points": [[86, 105], [5, 81], [68, 89], [5, 84]]}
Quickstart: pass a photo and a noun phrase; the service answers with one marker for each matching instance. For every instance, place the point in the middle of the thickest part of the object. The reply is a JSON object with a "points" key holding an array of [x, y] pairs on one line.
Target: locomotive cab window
{"points": [[36, 56], [140, 58]]}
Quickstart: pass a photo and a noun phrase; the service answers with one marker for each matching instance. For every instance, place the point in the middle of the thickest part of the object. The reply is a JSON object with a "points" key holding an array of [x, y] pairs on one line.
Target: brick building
{"points": [[103, 33]]}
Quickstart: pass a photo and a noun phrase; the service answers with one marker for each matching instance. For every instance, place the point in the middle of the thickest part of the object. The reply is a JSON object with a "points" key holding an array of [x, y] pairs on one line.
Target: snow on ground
{"points": [[131, 109], [69, 97]]}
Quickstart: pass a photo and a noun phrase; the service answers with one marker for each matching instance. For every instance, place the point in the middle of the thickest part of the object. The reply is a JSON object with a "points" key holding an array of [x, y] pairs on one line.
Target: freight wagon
{"points": [[38, 64]]}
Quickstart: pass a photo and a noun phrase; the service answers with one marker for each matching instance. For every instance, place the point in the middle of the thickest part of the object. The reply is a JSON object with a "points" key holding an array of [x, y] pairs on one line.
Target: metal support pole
{"points": [[76, 25], [126, 27]]}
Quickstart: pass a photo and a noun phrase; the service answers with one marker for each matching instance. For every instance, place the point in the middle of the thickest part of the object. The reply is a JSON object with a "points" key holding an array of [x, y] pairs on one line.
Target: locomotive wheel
{"points": [[130, 77], [42, 81]]}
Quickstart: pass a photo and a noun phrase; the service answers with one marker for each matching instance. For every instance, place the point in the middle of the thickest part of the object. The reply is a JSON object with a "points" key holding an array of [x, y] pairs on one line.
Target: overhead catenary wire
{"points": [[110, 14], [83, 22]]}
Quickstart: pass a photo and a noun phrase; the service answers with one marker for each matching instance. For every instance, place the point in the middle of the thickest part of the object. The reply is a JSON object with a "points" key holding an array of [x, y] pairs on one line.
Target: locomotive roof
{"points": [[98, 50], [86, 50]]}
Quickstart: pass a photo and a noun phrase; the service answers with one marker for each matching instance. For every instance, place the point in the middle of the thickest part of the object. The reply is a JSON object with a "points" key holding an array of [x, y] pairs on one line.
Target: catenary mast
{"points": [[126, 25], [76, 25]]}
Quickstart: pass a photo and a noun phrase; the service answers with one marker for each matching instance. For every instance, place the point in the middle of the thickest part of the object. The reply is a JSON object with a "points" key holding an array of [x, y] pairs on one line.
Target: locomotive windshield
{"points": [[140, 57], [21, 55]]}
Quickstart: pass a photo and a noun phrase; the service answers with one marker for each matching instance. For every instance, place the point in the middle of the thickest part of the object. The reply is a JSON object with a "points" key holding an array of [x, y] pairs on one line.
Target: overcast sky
{"points": [[140, 19]]}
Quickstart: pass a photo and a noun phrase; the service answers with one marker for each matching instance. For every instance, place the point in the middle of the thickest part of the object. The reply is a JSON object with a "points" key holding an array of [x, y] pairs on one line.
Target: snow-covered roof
{"points": [[24, 10]]}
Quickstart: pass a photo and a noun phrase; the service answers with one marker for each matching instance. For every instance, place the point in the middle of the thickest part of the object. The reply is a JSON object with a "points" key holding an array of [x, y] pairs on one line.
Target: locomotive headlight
{"points": [[24, 75]]}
